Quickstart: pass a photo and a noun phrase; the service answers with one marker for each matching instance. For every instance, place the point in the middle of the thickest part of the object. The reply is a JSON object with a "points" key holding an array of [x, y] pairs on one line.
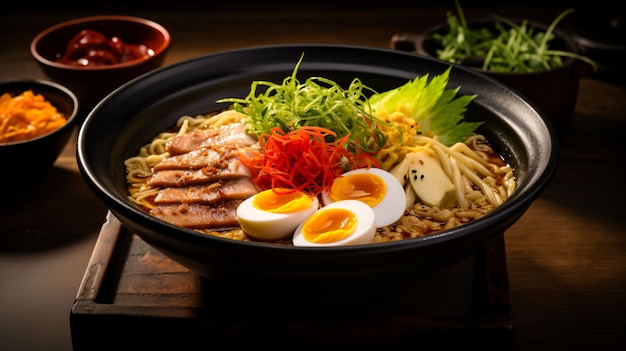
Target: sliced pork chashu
{"points": [[197, 216], [227, 169], [231, 135], [202, 181], [196, 159], [236, 189]]}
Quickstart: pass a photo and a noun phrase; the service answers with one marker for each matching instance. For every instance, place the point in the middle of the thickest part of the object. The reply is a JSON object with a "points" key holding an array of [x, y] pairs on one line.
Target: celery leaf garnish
{"points": [[437, 109]]}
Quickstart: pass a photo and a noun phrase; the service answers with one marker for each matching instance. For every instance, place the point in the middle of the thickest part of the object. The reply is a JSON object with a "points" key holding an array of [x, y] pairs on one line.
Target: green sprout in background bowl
{"points": [[505, 47]]}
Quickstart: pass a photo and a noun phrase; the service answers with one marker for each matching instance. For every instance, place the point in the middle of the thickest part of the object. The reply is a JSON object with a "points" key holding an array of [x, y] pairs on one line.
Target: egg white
{"points": [[391, 208], [269, 226], [363, 234]]}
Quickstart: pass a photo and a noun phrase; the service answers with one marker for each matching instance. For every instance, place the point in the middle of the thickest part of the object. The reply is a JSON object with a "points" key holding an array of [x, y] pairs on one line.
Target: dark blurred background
{"points": [[598, 26], [270, 5]]}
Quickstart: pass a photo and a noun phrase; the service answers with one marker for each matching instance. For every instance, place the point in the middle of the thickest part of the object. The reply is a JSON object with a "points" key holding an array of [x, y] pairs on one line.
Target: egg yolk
{"points": [[365, 187], [329, 225], [276, 201]]}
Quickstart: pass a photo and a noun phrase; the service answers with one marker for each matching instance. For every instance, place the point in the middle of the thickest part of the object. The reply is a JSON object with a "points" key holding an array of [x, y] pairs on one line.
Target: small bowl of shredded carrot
{"points": [[37, 119]]}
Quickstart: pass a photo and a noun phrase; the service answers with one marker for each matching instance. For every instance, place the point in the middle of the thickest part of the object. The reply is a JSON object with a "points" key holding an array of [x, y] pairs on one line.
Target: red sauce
{"points": [[92, 48]]}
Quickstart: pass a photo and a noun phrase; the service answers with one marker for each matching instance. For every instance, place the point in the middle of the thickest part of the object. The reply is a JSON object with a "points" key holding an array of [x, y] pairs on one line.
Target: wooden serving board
{"points": [[133, 296]]}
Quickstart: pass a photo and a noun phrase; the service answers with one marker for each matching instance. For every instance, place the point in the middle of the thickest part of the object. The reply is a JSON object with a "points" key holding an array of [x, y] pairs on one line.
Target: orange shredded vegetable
{"points": [[27, 116], [303, 159]]}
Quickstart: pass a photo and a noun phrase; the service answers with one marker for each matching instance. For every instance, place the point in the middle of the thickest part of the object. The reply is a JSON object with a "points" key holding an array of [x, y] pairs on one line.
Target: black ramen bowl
{"points": [[131, 116]]}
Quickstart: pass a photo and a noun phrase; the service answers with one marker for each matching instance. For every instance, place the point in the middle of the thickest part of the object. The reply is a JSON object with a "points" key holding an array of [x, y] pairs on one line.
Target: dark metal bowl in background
{"points": [[133, 114], [554, 90]]}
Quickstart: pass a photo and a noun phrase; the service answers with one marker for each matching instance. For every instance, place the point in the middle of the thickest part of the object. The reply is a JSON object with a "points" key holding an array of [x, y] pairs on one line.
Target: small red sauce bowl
{"points": [[93, 83]]}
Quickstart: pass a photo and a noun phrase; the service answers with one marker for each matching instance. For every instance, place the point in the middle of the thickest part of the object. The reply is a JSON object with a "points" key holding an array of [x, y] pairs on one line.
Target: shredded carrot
{"points": [[27, 116], [303, 159]]}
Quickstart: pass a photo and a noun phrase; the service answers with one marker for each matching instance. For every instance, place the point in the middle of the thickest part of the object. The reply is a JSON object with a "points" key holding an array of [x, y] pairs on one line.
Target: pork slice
{"points": [[187, 142], [199, 158], [229, 169], [237, 189], [230, 134], [197, 216]]}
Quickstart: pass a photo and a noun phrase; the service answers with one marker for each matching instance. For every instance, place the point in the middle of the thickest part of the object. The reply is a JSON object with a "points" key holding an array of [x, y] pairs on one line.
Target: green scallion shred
{"points": [[318, 102]]}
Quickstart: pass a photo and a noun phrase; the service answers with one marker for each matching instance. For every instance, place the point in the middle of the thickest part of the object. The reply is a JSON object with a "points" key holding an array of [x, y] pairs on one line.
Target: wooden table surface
{"points": [[566, 256]]}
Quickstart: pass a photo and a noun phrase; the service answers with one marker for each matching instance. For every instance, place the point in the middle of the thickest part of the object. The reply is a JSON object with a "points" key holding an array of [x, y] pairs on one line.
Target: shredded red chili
{"points": [[303, 159]]}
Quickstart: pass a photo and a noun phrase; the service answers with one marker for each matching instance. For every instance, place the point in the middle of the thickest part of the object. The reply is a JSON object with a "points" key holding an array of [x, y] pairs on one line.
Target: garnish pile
{"points": [[312, 132]]}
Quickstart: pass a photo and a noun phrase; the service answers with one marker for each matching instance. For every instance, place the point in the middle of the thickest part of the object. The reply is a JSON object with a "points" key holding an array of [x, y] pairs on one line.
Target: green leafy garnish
{"points": [[317, 102], [436, 108], [507, 47], [321, 102]]}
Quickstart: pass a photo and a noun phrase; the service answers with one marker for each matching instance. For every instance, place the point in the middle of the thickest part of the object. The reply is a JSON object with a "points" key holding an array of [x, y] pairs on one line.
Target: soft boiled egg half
{"points": [[342, 223], [373, 186], [274, 214]]}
